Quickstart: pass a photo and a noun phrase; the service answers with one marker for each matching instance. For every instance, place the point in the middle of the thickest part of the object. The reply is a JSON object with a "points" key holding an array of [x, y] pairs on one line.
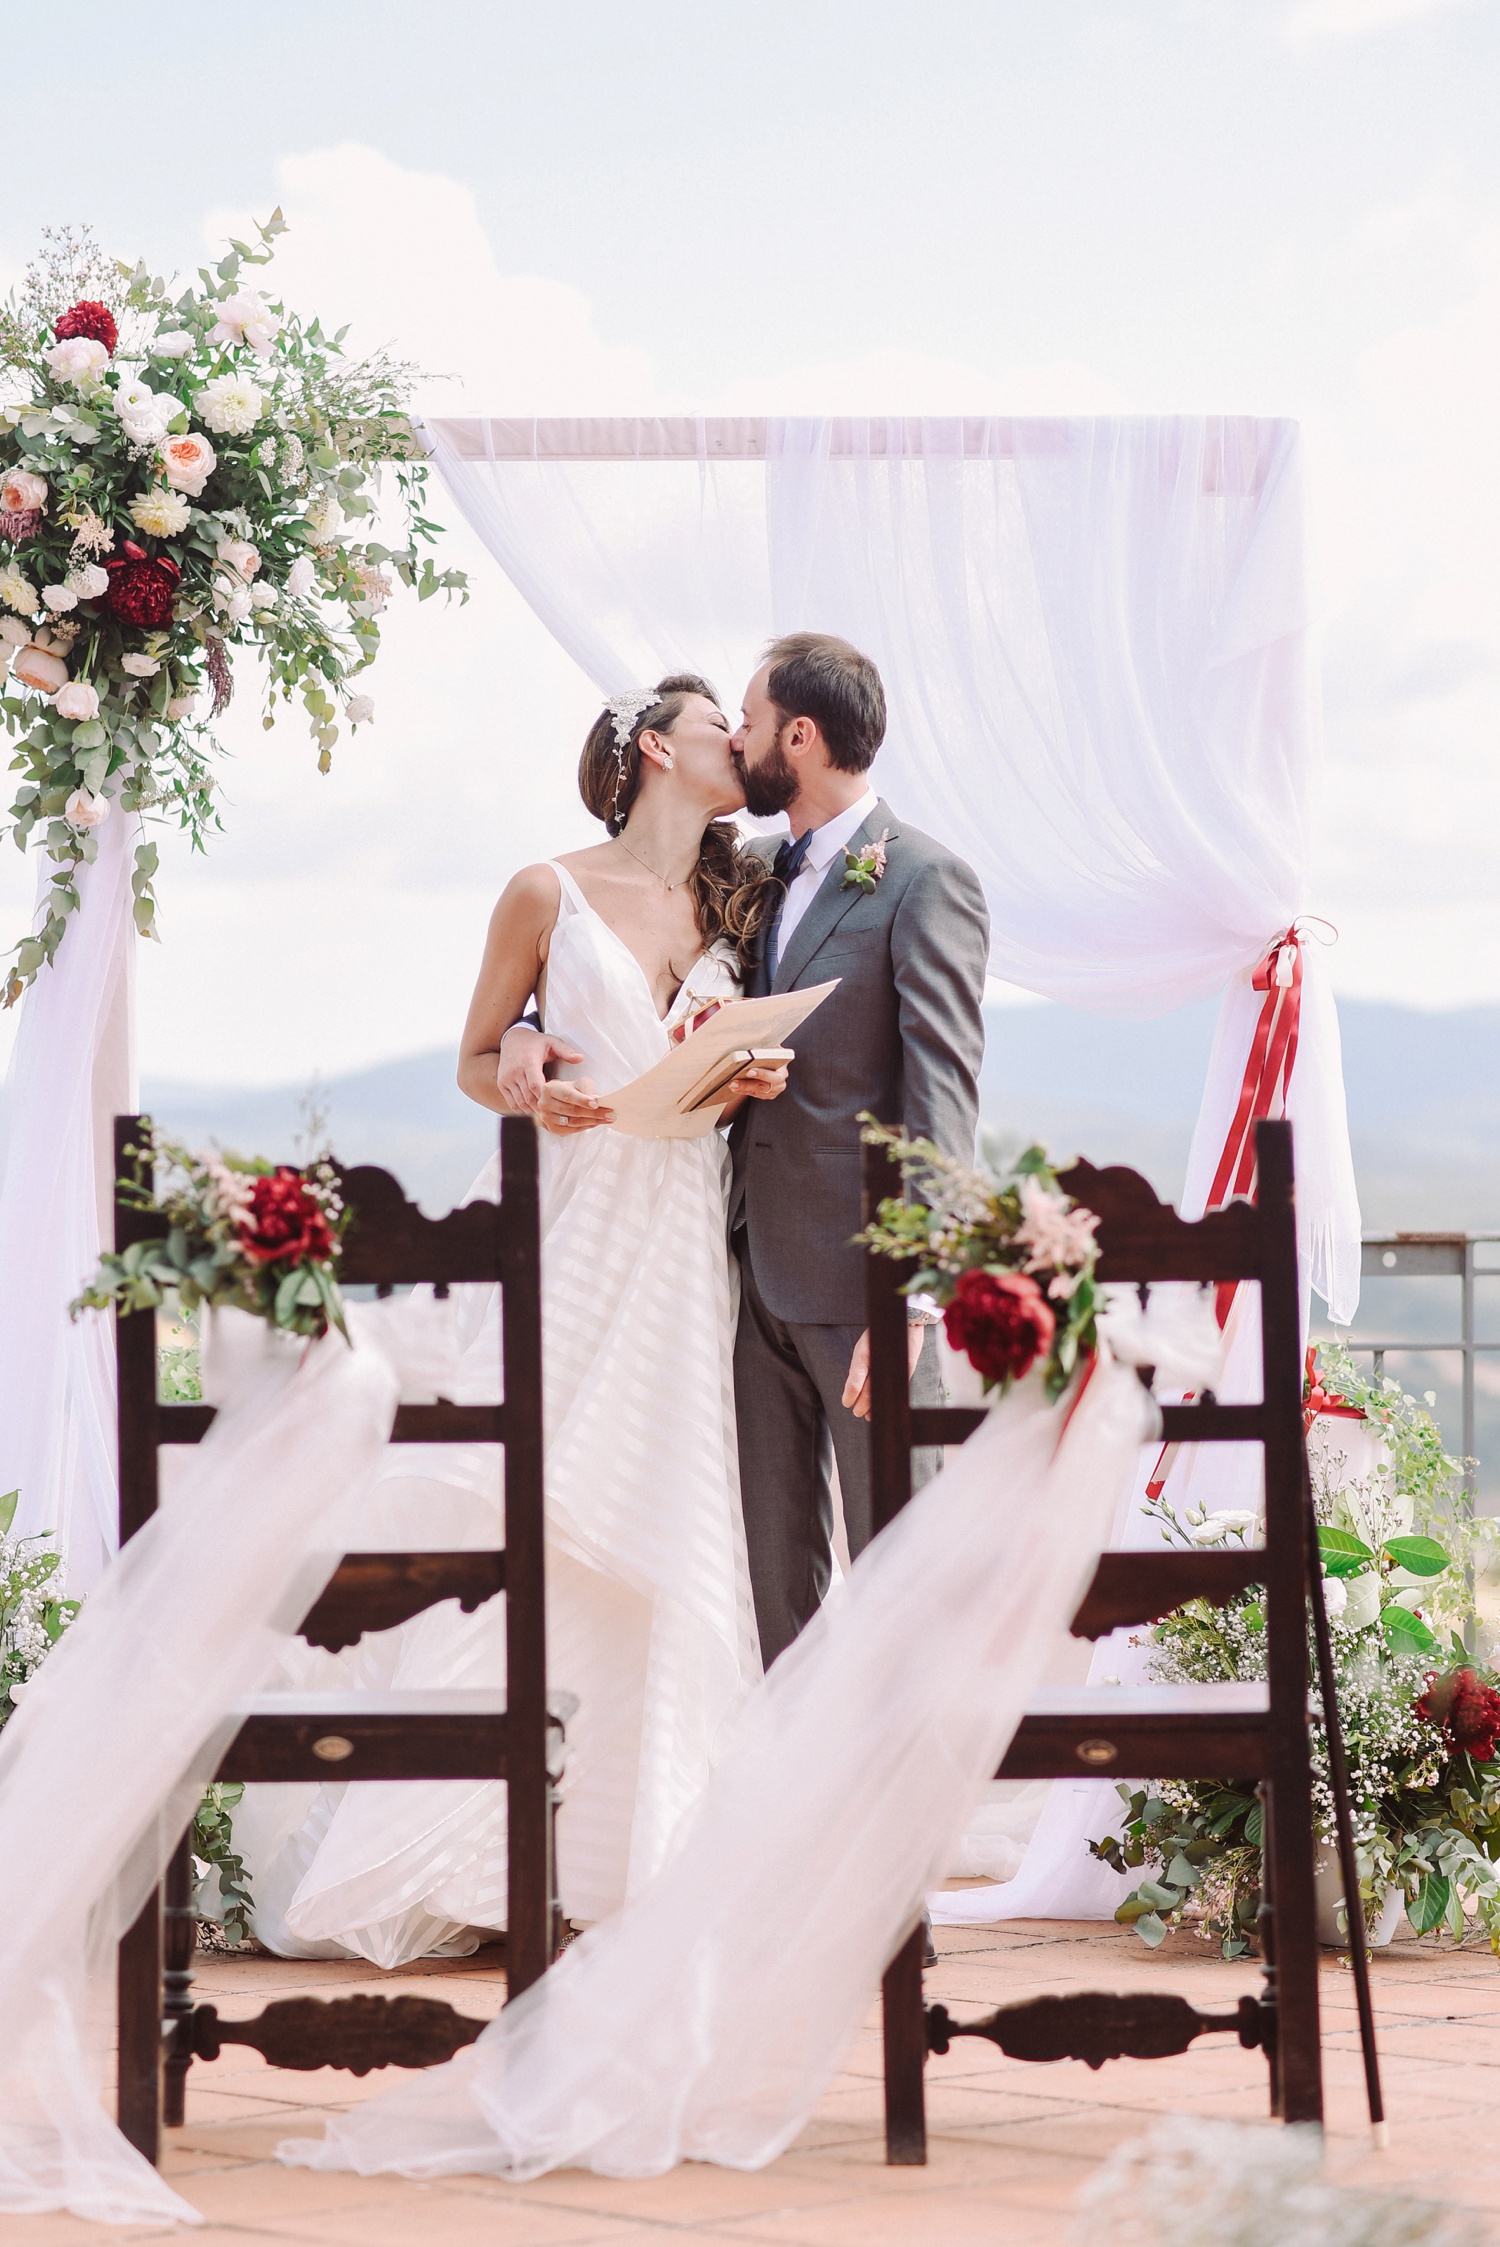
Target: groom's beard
{"points": [[770, 786]]}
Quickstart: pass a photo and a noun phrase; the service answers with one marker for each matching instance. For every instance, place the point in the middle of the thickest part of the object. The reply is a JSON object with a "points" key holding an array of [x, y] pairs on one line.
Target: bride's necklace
{"points": [[650, 869]]}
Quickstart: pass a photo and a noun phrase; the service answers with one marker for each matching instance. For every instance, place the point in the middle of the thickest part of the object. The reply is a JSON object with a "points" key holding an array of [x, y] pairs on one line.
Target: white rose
{"points": [[187, 462], [84, 811], [79, 701], [231, 600], [263, 596], [39, 668], [59, 598], [17, 592], [1208, 1532], [324, 517], [88, 581], [230, 405], [1335, 1597], [140, 666], [76, 358], [246, 318], [361, 711], [182, 706], [13, 630], [301, 577], [21, 491], [172, 343], [241, 556]]}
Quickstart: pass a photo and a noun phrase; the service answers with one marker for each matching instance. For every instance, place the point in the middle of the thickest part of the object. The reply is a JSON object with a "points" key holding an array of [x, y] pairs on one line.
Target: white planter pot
{"points": [[1330, 1894]]}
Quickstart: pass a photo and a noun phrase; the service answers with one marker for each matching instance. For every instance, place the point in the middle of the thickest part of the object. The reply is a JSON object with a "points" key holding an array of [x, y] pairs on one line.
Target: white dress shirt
{"points": [[827, 843]]}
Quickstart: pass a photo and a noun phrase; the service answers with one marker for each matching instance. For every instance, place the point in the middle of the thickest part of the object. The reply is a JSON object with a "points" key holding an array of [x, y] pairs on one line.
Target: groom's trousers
{"points": [[788, 1385]]}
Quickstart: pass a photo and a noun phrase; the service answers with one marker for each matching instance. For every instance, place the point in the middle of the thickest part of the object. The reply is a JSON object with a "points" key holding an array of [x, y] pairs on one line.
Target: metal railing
{"points": [[1435, 1256]]}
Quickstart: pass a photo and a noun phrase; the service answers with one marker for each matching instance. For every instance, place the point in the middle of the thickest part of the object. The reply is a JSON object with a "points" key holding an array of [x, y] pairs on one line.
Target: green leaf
{"points": [[1158, 1896], [1255, 1827], [1406, 1633], [1151, 1930], [1429, 1907], [1419, 1556], [1342, 1553], [8, 1505], [1181, 1873]]}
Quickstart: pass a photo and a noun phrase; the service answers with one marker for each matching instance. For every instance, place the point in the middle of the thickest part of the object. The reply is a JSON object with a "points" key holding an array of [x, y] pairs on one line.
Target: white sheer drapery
{"points": [[72, 1071], [1095, 640]]}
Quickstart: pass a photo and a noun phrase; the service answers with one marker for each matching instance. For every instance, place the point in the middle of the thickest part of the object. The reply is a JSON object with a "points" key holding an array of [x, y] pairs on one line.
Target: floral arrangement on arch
{"points": [[182, 478], [1003, 1249], [1420, 1716], [242, 1235]]}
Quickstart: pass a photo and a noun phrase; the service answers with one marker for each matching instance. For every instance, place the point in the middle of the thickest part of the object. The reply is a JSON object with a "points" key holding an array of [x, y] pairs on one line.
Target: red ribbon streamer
{"points": [[1263, 1090]]}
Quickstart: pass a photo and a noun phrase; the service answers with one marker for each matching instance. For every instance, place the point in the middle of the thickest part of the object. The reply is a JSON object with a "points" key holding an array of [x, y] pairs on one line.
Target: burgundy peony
{"points": [[283, 1223], [91, 318], [141, 591], [1468, 1711], [1001, 1321]]}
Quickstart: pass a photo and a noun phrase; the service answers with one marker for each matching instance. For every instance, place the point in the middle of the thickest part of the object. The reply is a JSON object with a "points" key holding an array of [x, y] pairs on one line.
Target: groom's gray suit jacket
{"points": [[901, 1037]]}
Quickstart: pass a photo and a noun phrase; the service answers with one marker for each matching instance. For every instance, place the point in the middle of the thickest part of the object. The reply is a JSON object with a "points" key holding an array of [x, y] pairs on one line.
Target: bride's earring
{"points": [[666, 763]]}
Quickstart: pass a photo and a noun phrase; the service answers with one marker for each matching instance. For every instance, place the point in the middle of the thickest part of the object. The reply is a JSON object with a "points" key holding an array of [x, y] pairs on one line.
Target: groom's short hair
{"points": [[814, 675]]}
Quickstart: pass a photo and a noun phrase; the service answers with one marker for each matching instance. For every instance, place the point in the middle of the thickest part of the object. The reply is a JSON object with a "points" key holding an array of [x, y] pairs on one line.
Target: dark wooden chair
{"points": [[1246, 1733], [512, 1736]]}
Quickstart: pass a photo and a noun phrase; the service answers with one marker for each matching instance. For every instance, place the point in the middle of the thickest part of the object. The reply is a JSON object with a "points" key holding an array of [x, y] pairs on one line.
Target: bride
{"points": [[649, 1616]]}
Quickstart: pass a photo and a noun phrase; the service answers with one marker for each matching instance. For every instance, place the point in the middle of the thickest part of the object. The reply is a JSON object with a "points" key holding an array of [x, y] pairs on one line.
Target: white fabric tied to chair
{"points": [[105, 1760]]}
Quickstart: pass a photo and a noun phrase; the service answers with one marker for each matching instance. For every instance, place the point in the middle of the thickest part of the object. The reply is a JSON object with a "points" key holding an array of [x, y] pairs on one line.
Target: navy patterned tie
{"points": [[786, 866]]}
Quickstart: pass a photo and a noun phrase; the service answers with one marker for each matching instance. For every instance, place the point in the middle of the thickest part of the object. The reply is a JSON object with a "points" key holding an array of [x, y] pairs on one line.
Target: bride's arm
{"points": [[515, 955]]}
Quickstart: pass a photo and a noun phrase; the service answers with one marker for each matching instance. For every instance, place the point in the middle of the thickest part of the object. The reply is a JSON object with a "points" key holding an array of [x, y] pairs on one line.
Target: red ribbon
{"points": [[1263, 1091]]}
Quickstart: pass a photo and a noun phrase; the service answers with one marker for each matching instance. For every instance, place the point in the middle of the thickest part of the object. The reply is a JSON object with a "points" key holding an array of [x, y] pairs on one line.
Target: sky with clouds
{"points": [[1281, 206]]}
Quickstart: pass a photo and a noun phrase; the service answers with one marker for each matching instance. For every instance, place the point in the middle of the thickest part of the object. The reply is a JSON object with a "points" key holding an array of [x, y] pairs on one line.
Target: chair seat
{"points": [[1142, 1731]]}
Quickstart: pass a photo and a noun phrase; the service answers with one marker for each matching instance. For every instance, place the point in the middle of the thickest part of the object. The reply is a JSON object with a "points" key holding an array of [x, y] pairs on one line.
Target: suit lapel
{"points": [[830, 902]]}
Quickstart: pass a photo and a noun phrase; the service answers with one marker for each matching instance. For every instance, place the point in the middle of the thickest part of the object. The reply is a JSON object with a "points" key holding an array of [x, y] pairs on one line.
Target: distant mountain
{"points": [[1424, 1105]]}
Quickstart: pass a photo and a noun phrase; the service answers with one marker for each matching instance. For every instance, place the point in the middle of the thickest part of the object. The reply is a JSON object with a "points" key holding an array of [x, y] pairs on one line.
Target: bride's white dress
{"points": [[649, 1614]]}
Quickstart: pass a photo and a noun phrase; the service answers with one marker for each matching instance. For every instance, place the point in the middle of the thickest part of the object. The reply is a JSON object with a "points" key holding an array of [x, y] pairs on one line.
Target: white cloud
{"points": [[403, 256], [1314, 20]]}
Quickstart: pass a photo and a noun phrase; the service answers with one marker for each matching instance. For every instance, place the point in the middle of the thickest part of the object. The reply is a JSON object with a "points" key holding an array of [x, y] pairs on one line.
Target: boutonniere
{"points": [[863, 868]]}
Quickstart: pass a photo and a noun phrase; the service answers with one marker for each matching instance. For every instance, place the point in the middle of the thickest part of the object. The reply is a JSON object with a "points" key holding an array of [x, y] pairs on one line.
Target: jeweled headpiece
{"points": [[626, 710]]}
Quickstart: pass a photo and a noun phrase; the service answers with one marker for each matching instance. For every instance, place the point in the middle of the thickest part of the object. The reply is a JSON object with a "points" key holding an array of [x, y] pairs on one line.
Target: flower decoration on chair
{"points": [[243, 1235], [184, 479], [1421, 1716], [1004, 1250]]}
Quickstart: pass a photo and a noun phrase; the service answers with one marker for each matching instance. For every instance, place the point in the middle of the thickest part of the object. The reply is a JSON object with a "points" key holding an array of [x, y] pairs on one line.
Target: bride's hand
{"points": [[763, 1080], [520, 1072], [569, 1108]]}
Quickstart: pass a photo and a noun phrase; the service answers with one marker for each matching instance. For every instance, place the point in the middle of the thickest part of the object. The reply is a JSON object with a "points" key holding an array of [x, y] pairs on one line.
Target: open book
{"points": [[676, 1099]]}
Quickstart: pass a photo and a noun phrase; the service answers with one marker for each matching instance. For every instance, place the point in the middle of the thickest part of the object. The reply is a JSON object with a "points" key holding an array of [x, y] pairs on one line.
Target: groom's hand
{"points": [[856, 1395], [520, 1072]]}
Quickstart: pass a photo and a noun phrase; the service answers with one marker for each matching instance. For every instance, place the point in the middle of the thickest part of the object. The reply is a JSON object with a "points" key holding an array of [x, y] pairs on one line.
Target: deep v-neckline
{"points": [[571, 882]]}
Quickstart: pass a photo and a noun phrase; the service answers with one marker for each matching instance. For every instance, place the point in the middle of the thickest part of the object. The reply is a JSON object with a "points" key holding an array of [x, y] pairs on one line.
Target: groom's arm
{"points": [[940, 941]]}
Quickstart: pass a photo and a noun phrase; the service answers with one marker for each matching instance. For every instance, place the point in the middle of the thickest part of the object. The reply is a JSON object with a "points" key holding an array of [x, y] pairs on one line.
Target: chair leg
{"points": [[138, 1989], [179, 1941], [905, 2039], [1294, 1933]]}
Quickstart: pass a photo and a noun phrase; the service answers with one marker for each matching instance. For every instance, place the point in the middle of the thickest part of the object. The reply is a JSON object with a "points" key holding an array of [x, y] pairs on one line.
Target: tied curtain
{"points": [[1095, 636]]}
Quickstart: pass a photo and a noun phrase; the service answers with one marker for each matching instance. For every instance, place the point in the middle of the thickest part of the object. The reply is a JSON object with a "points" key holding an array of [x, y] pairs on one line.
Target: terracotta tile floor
{"points": [[1009, 2142]]}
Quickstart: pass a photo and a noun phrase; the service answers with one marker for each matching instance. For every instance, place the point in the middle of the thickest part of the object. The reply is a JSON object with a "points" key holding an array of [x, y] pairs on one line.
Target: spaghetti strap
{"points": [[570, 889]]}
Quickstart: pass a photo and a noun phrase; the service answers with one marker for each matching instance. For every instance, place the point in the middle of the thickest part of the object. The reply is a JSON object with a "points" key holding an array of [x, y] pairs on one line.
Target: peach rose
{"points": [[39, 668], [21, 491], [84, 810], [187, 462], [240, 555], [78, 701]]}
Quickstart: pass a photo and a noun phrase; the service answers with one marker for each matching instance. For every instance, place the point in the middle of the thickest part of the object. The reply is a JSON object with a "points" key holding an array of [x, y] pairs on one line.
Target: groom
{"points": [[901, 922]]}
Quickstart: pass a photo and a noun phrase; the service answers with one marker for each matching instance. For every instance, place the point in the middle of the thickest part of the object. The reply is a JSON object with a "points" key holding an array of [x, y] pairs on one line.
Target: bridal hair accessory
{"points": [[626, 711]]}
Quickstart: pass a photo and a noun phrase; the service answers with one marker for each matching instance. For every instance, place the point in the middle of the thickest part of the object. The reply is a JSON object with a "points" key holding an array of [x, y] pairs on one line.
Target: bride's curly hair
{"points": [[733, 889]]}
